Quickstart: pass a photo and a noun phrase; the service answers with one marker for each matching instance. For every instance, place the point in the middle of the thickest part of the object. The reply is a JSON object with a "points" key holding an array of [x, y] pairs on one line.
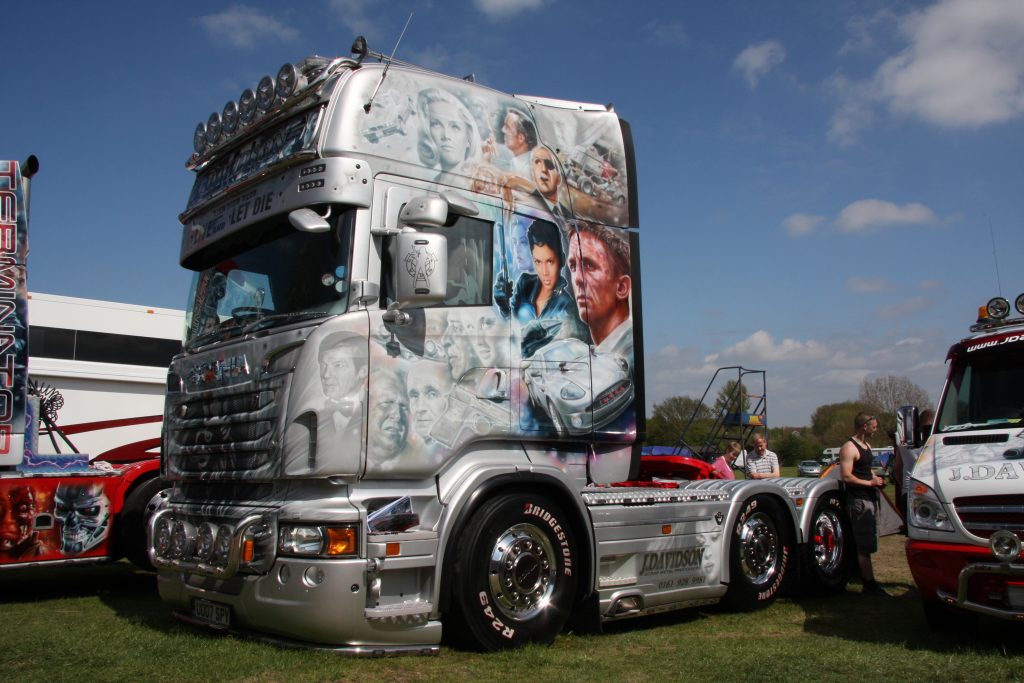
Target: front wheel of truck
{"points": [[759, 555], [514, 577]]}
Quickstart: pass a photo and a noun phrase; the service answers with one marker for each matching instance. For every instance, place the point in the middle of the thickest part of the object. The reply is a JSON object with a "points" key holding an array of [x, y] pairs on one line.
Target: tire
{"points": [[829, 554], [132, 537], [759, 554], [514, 574], [947, 619]]}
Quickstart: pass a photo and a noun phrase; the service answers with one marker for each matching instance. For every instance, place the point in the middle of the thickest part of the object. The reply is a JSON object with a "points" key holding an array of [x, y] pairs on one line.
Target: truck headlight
{"points": [[1005, 545], [317, 540], [162, 537], [926, 510], [205, 537]]}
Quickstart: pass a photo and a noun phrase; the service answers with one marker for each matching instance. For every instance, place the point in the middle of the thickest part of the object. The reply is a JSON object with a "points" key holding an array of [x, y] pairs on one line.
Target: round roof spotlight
{"points": [[199, 138], [289, 81], [1005, 545], [247, 106], [213, 128], [997, 308], [1019, 303], [229, 118], [265, 93]]}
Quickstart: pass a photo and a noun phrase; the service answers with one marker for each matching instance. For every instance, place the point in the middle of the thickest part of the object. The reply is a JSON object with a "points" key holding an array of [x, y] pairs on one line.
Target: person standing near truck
{"points": [[862, 486], [762, 463]]}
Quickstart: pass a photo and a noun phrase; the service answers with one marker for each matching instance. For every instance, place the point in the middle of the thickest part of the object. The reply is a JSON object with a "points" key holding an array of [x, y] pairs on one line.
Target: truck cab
{"points": [[965, 514]]}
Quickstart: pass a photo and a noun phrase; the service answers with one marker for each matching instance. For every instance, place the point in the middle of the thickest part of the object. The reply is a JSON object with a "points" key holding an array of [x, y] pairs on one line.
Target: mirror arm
{"points": [[395, 315]]}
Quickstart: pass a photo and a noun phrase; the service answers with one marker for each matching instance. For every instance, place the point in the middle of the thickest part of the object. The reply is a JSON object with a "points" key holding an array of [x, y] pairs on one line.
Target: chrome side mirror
{"points": [[420, 269], [907, 426]]}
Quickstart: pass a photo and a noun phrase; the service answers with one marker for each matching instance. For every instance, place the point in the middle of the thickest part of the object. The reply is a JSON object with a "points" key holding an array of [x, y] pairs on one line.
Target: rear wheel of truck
{"points": [[828, 555], [514, 574], [759, 554], [132, 537]]}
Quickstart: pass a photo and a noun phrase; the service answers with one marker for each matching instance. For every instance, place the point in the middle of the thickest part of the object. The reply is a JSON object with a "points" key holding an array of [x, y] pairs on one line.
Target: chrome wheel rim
{"points": [[759, 548], [521, 572], [828, 542]]}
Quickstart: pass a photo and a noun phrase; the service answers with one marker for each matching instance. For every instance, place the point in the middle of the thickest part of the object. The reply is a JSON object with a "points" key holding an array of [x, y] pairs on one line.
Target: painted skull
{"points": [[84, 514]]}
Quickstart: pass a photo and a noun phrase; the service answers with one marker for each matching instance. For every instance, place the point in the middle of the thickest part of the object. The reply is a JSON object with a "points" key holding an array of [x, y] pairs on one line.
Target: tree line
{"points": [[831, 424]]}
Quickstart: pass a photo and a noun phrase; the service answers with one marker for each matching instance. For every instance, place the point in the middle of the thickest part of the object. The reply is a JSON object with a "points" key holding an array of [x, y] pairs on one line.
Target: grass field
{"points": [[107, 623]]}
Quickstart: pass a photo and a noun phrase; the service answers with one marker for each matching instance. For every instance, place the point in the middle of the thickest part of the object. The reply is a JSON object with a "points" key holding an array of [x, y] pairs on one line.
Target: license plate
{"points": [[212, 612], [1015, 595]]}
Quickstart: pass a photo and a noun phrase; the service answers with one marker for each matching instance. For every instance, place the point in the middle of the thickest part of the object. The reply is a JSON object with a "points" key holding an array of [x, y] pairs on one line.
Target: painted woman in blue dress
{"points": [[545, 294]]}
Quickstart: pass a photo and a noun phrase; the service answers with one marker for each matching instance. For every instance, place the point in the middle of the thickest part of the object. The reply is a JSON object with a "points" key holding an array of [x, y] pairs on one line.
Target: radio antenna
{"points": [[387, 65], [992, 235]]}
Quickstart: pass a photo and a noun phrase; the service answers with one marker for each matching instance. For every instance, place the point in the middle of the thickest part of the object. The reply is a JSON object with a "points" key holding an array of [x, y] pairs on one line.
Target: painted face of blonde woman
{"points": [[449, 133]]}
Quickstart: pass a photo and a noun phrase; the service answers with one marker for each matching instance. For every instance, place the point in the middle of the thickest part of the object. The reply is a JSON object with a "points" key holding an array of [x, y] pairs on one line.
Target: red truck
{"points": [[54, 508]]}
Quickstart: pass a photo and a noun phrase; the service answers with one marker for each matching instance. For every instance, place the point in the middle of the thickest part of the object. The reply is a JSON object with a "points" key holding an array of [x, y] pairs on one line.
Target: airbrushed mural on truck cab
{"points": [[534, 339], [562, 161]]}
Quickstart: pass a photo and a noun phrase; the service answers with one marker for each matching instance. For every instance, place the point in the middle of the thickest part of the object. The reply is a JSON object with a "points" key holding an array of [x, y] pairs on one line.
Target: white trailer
{"points": [[109, 362]]}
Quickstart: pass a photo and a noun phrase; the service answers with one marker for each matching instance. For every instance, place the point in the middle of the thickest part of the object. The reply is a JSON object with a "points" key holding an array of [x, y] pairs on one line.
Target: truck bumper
{"points": [[306, 603], [967, 577]]}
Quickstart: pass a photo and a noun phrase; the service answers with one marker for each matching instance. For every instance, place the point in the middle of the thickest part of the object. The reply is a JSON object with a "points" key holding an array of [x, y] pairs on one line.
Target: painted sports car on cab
{"points": [[578, 391]]}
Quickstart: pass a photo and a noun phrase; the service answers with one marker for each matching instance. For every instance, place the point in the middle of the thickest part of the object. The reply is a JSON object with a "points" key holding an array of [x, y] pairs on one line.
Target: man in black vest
{"points": [[862, 486]]}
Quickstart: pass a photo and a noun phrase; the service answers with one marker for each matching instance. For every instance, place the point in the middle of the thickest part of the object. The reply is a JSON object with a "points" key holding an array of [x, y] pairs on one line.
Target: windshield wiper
{"points": [[275, 318], [219, 334], [988, 424]]}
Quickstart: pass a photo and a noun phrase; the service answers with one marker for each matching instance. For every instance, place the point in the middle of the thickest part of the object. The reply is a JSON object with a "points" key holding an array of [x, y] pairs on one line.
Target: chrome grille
{"points": [[226, 434], [982, 515]]}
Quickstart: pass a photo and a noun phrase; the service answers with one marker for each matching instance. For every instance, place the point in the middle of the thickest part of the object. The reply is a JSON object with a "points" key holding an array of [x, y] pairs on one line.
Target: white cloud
{"points": [[352, 13], [246, 27], [863, 32], [761, 347], [803, 374], [802, 224], [855, 111], [964, 65], [867, 214], [499, 9], [845, 379], [756, 61], [930, 284], [901, 309], [670, 34], [868, 285]]}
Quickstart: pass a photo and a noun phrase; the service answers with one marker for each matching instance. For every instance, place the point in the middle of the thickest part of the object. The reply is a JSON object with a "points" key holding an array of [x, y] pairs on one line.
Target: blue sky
{"points": [[821, 183]]}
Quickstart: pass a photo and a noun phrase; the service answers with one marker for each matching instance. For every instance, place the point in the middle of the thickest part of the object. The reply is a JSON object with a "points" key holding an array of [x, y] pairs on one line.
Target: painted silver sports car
{"points": [[579, 392]]}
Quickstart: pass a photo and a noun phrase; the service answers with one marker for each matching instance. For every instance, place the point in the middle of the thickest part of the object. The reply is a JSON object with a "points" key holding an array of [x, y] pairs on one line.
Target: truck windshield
{"points": [[270, 274], [985, 390]]}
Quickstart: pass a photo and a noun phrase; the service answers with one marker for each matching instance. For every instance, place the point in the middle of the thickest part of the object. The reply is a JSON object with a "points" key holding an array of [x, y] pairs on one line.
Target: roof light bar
{"points": [[247, 106], [213, 128], [289, 81], [229, 117], [265, 93], [997, 308], [199, 138], [1019, 304]]}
